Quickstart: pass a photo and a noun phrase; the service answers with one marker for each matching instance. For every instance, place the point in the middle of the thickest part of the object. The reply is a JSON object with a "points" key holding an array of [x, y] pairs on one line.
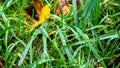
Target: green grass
{"points": [[87, 37]]}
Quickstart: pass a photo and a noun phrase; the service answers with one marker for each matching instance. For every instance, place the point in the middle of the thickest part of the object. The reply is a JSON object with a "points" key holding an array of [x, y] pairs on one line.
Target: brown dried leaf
{"points": [[65, 9], [38, 6], [62, 7]]}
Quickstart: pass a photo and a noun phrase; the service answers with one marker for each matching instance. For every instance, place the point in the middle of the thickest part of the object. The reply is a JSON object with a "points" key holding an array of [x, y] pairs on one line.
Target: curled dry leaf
{"points": [[44, 15], [65, 9], [37, 6], [62, 7], [41, 13]]}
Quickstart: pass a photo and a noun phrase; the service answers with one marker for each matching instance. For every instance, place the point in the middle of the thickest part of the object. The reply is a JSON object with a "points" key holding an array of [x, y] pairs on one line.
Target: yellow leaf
{"points": [[45, 11], [42, 17]]}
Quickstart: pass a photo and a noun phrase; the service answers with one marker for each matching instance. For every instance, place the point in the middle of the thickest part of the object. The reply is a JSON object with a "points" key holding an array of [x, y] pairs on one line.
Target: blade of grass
{"points": [[64, 44], [88, 60], [12, 62], [110, 35], [77, 51], [24, 44], [9, 49], [74, 32], [81, 59], [75, 12], [45, 35], [95, 35], [88, 8], [94, 51], [24, 53], [6, 39], [31, 55], [61, 55], [2, 26]]}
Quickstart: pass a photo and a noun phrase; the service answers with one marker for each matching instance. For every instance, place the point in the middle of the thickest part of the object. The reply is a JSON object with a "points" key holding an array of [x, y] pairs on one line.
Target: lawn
{"points": [[85, 34]]}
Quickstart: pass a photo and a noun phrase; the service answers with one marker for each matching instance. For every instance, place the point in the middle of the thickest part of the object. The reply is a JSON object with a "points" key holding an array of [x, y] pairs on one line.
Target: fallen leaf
{"points": [[62, 7], [44, 15], [37, 6], [65, 9], [41, 13]]}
